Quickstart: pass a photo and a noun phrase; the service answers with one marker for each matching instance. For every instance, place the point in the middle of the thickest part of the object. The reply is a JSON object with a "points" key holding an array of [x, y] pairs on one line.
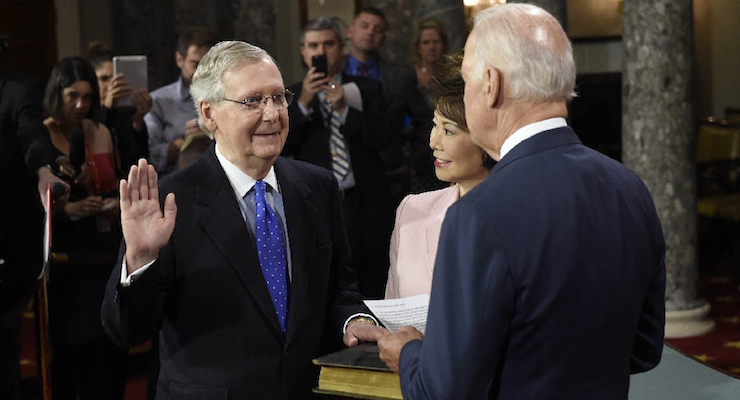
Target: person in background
{"points": [[429, 44], [85, 362], [173, 118], [550, 275], [402, 98], [130, 136], [456, 160], [245, 276], [26, 161], [348, 109]]}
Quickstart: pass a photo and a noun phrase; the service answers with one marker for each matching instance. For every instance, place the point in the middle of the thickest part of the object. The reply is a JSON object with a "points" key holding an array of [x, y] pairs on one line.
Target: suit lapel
{"points": [[301, 217], [223, 222]]}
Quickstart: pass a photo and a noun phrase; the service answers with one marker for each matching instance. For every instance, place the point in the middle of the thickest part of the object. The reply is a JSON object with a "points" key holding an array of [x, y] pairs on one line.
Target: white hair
{"points": [[207, 84], [529, 47]]}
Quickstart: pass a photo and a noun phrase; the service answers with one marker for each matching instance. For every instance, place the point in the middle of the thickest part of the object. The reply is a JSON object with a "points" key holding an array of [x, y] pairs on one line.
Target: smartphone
{"points": [[134, 70], [319, 61]]}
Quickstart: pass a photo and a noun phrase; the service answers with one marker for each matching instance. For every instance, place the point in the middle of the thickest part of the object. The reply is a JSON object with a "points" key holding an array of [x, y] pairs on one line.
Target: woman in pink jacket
{"points": [[456, 160]]}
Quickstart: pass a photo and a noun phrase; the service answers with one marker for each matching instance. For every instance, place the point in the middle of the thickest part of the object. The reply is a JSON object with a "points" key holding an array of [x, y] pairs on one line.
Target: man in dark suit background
{"points": [[550, 276], [402, 97], [246, 278], [338, 107], [25, 156]]}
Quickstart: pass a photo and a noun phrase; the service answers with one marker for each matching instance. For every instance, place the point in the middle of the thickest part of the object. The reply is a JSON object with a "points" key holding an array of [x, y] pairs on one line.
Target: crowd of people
{"points": [[455, 176]]}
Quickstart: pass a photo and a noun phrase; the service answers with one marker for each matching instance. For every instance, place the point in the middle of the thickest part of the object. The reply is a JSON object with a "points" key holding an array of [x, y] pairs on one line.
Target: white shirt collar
{"points": [[530, 130], [241, 182]]}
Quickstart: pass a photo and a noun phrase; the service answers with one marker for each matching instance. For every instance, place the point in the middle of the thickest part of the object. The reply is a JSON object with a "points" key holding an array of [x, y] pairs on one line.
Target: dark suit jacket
{"points": [[549, 282], [220, 337], [24, 147], [402, 97], [366, 133]]}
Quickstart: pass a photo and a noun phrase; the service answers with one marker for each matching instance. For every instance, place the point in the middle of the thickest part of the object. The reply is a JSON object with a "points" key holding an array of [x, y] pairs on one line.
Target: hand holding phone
{"points": [[319, 62]]}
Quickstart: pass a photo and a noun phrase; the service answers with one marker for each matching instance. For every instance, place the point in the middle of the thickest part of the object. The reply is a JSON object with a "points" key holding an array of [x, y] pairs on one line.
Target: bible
{"points": [[357, 372]]}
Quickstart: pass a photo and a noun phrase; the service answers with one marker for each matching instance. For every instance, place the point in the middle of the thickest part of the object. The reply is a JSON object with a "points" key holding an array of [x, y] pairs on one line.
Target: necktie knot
{"points": [[259, 191], [364, 71]]}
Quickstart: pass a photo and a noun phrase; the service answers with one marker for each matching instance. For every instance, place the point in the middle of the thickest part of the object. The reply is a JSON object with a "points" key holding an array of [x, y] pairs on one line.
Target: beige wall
{"points": [[68, 28], [725, 55]]}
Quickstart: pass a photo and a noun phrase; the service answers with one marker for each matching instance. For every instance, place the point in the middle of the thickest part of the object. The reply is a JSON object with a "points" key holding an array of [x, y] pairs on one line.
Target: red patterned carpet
{"points": [[720, 348]]}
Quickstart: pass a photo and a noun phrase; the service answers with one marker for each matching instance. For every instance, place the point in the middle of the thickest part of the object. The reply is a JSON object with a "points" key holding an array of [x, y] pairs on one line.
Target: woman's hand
{"points": [[86, 207], [117, 88], [111, 208]]}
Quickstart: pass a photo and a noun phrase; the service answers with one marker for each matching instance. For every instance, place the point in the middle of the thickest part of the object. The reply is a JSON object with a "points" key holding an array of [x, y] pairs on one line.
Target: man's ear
{"points": [[206, 111], [492, 86], [179, 60]]}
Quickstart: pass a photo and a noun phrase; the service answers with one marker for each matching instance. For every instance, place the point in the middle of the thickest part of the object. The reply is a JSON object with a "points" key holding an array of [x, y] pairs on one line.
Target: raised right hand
{"points": [[145, 228]]}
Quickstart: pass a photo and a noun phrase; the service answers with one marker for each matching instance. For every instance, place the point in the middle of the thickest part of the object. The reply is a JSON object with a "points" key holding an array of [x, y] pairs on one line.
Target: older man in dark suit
{"points": [[550, 276], [247, 278], [338, 122]]}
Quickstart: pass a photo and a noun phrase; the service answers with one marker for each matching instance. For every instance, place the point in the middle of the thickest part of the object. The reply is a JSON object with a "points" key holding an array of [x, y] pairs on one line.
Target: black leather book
{"points": [[357, 372]]}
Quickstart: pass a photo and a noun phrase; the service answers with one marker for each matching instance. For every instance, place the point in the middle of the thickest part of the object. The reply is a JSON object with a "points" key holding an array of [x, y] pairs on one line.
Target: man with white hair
{"points": [[246, 279], [550, 277]]}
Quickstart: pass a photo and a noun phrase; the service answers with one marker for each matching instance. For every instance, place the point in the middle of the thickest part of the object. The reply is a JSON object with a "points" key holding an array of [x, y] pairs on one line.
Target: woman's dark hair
{"points": [[98, 53], [446, 89], [68, 71]]}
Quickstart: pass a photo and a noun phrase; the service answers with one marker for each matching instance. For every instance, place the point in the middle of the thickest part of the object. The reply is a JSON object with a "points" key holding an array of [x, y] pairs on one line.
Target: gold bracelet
{"points": [[362, 319]]}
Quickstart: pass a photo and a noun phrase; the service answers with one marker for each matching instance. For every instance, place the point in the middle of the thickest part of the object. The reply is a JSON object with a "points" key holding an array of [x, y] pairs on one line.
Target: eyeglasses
{"points": [[258, 102]]}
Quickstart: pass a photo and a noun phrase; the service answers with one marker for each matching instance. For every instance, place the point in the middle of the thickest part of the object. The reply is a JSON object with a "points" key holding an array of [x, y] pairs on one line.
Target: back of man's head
{"points": [[529, 47], [198, 37], [322, 23]]}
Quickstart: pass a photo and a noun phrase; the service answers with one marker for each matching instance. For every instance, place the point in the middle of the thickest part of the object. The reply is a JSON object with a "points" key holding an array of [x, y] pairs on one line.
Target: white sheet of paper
{"points": [[395, 313]]}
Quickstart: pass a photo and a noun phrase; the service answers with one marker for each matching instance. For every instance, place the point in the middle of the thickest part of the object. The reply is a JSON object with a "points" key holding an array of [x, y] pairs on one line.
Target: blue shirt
{"points": [[372, 66]]}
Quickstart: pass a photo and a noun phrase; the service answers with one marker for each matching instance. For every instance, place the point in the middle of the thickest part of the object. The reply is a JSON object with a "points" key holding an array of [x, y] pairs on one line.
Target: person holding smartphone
{"points": [[337, 123], [127, 125]]}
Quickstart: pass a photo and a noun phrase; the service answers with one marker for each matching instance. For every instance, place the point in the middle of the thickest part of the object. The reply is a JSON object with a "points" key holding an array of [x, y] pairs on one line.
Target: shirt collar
{"points": [[241, 182], [530, 130], [354, 64], [182, 90]]}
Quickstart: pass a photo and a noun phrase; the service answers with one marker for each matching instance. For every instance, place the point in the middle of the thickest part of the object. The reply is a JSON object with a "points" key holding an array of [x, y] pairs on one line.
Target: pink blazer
{"points": [[414, 241]]}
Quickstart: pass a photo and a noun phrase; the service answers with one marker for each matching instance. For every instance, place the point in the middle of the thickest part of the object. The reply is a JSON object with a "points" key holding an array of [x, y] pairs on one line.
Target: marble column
{"points": [[555, 7], [450, 12], [657, 138]]}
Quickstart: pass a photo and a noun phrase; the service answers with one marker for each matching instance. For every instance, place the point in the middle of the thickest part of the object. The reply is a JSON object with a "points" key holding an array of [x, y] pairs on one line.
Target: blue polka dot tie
{"points": [[271, 252]]}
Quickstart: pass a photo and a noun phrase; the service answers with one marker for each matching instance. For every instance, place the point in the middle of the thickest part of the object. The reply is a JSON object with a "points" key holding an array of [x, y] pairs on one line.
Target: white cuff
{"points": [[127, 280], [353, 316]]}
